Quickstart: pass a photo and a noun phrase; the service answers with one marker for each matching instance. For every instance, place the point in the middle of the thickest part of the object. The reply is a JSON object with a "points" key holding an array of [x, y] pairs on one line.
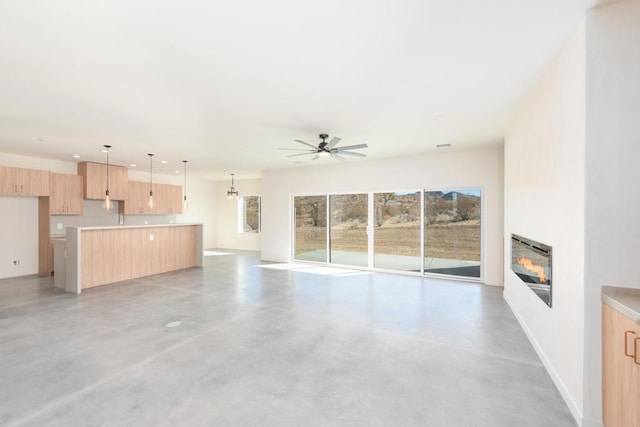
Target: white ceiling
{"points": [[225, 83]]}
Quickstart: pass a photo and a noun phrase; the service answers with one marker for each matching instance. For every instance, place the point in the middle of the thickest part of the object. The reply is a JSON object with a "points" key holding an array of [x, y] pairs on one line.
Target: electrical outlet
{"points": [[151, 237], [59, 226]]}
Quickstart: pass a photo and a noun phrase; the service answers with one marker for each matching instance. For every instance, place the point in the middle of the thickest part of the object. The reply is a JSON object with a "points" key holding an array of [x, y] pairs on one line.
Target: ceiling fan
{"points": [[327, 149]]}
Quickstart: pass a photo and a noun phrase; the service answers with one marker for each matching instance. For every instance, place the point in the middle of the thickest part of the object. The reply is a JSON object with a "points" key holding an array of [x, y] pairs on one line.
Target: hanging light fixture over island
{"points": [[107, 205], [185, 204], [150, 201]]}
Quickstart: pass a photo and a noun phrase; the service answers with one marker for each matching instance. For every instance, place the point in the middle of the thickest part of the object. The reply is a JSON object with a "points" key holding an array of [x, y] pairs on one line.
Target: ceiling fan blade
{"points": [[333, 143], [306, 143], [337, 156], [316, 157], [352, 147], [349, 153], [301, 154], [296, 149]]}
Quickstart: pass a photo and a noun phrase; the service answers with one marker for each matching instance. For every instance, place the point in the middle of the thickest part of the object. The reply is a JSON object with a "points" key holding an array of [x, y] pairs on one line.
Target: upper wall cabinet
{"points": [[23, 182], [95, 181], [167, 199], [65, 195]]}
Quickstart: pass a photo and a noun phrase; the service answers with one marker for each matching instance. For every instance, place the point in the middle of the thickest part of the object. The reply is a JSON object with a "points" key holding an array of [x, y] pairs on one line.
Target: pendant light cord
{"points": [[150, 174], [107, 147], [185, 179]]}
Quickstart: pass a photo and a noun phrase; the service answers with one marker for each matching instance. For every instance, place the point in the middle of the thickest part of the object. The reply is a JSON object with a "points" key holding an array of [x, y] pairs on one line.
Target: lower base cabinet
{"points": [[620, 369]]}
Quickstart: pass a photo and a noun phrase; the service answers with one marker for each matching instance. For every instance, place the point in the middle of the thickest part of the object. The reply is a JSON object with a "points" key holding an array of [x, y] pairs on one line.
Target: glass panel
{"points": [[348, 233], [396, 233], [249, 214], [311, 228], [452, 232]]}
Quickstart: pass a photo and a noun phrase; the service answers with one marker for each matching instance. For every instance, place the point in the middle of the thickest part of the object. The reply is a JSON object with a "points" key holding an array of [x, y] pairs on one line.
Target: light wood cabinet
{"points": [[620, 369], [169, 199], [95, 181], [65, 194], [23, 182], [114, 255], [166, 198], [136, 201]]}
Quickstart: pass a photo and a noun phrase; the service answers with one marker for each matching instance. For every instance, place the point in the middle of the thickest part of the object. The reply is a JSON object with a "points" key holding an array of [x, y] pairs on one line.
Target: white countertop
{"points": [[624, 300], [115, 227]]}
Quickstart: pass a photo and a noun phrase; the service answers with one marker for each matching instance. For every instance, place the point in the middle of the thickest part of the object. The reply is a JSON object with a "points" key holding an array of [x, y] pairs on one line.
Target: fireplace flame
{"points": [[534, 268]]}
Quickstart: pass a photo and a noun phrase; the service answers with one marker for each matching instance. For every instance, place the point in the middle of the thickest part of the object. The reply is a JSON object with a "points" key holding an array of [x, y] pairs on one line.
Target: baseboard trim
{"points": [[575, 411]]}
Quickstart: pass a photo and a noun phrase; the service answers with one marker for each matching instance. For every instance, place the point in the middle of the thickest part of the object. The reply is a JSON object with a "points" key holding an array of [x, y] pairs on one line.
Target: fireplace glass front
{"points": [[531, 262]]}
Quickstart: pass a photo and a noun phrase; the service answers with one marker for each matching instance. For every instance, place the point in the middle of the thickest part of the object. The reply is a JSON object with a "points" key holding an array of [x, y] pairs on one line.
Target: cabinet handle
{"points": [[636, 359], [626, 344]]}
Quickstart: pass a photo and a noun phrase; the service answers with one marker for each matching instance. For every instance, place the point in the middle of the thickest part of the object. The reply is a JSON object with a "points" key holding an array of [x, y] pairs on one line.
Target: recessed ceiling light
{"points": [[443, 145], [177, 171], [75, 156], [173, 324], [163, 161], [133, 166]]}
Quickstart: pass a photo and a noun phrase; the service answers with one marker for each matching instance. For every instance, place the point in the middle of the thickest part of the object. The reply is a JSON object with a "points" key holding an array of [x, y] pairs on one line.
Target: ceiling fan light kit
{"points": [[327, 149]]}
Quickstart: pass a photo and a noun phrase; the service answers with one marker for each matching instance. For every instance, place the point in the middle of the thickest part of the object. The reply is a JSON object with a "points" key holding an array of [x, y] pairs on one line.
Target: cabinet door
{"points": [[73, 190], [65, 194], [175, 199], [95, 181], [23, 182], [7, 180], [159, 199], [167, 198], [118, 182], [620, 373], [33, 182], [136, 201]]}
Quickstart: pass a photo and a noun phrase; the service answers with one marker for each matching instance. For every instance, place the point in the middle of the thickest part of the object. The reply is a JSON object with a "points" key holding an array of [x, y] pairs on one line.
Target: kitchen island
{"points": [[100, 255]]}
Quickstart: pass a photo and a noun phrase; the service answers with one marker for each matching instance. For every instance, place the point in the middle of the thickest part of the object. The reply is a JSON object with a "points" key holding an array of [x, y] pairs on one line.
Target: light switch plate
{"points": [[59, 226], [151, 237]]}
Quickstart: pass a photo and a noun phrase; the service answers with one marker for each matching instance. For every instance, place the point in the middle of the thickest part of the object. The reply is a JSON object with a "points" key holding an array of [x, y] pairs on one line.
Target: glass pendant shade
{"points": [[107, 205]]}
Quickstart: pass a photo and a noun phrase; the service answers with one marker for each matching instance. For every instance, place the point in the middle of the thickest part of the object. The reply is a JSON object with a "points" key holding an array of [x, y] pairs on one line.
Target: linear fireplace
{"points": [[531, 261]]}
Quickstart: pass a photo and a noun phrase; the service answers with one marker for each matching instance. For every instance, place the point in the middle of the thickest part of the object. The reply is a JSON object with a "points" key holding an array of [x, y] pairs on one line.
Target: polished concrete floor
{"points": [[267, 346]]}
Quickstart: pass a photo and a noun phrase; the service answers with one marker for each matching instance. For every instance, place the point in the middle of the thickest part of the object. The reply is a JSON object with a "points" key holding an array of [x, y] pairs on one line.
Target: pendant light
{"points": [[107, 205], [185, 204], [150, 201], [232, 193]]}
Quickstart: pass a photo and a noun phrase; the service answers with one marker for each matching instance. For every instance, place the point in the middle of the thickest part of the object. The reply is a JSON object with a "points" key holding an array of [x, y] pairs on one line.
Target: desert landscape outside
{"points": [[452, 230]]}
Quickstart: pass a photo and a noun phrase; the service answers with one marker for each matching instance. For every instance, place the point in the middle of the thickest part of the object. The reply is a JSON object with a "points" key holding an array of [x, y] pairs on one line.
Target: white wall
{"points": [[544, 201], [448, 169], [18, 213], [612, 223], [226, 216], [18, 236]]}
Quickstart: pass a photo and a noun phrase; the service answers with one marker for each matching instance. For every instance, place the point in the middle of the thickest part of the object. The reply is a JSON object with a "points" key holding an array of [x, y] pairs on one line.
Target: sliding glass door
{"points": [[310, 241], [431, 232], [452, 232], [348, 241], [396, 231]]}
